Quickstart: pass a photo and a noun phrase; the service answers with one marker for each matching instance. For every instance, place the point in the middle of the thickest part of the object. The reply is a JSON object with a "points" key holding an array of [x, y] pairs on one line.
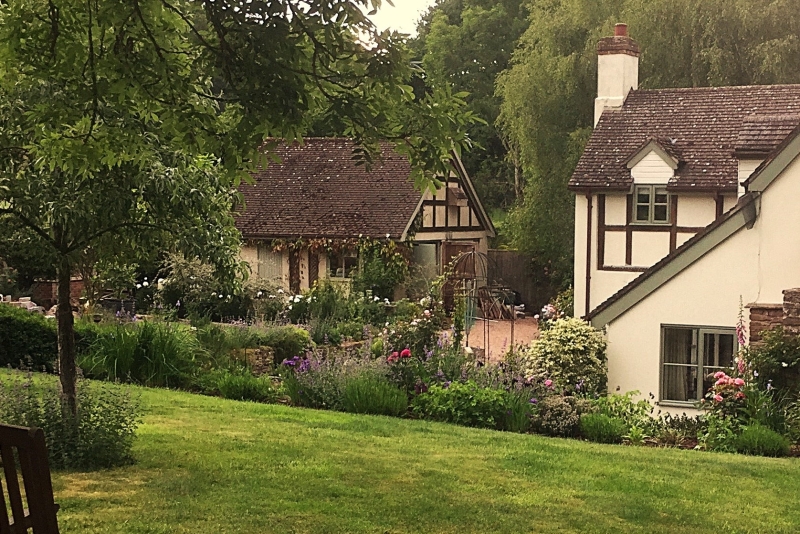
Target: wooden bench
{"points": [[31, 459]]}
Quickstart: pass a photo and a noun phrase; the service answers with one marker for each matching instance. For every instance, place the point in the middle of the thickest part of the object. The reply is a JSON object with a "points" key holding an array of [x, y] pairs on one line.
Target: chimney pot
{"points": [[620, 30]]}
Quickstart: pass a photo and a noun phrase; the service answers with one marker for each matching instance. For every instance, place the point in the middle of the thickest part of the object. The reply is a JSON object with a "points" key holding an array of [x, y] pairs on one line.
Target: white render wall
{"points": [[755, 265], [652, 169], [617, 74]]}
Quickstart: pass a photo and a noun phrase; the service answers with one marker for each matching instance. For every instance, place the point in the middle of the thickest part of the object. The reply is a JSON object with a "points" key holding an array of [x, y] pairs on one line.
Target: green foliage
{"points": [[468, 43], [373, 395], [463, 404], [247, 387], [777, 362], [720, 434], [27, 338], [102, 435], [559, 416], [572, 354], [286, 341], [148, 353], [635, 414], [383, 268], [760, 440], [601, 428]]}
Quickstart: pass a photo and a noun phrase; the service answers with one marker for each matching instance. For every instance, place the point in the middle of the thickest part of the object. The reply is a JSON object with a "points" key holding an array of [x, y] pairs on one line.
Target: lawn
{"points": [[211, 465]]}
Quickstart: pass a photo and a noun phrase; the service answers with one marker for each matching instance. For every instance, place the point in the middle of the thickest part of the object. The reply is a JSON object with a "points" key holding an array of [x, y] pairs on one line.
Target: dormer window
{"points": [[651, 205]]}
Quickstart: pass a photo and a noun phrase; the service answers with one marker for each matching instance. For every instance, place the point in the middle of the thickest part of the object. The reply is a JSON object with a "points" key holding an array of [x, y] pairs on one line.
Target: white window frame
{"points": [[697, 359], [652, 190]]}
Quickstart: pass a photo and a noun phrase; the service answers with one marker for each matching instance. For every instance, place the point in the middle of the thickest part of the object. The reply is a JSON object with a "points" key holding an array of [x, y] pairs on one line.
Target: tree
{"points": [[467, 43], [128, 124]]}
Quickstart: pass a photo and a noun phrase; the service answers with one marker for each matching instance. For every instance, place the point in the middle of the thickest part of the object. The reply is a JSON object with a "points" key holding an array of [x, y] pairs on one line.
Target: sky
{"points": [[402, 17]]}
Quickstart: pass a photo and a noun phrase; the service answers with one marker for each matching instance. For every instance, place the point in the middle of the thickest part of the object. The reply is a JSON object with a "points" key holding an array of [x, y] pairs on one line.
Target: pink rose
{"points": [[548, 383], [720, 382], [718, 397], [738, 382], [405, 353], [719, 374], [393, 358]]}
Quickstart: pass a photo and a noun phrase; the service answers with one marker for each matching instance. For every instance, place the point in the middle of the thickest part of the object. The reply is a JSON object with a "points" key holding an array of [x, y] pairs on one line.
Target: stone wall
{"points": [[762, 318], [791, 310], [766, 316]]}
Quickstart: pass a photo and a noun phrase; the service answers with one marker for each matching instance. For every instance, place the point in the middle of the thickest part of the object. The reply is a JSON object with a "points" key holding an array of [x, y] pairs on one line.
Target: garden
{"points": [[359, 352], [386, 391]]}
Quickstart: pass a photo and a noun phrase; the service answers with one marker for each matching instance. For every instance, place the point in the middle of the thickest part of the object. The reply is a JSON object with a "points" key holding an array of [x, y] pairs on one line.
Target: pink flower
{"points": [[720, 382], [718, 397], [405, 353], [738, 382], [739, 395], [393, 358], [548, 383], [741, 365], [719, 374]]}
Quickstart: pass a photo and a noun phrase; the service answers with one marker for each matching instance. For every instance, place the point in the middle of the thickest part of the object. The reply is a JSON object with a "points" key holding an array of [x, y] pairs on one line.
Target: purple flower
{"points": [[533, 401], [446, 385]]}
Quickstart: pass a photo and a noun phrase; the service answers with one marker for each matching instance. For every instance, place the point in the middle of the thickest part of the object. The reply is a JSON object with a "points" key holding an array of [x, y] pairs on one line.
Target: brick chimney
{"points": [[617, 70]]}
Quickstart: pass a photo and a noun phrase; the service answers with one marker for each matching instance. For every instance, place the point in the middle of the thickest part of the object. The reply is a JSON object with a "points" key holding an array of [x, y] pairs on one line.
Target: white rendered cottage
{"points": [[685, 203]]}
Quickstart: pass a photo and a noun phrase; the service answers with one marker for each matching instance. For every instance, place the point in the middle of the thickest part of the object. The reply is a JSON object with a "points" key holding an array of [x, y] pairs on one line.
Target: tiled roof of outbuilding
{"points": [[704, 126], [318, 191]]}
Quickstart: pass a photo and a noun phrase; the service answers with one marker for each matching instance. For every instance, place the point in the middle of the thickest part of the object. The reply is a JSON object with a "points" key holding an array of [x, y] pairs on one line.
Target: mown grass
{"points": [[212, 465]]}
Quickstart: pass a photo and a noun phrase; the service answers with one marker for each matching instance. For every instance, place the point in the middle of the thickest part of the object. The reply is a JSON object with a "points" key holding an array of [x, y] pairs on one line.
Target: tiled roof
{"points": [[760, 134], [318, 191], [702, 126]]}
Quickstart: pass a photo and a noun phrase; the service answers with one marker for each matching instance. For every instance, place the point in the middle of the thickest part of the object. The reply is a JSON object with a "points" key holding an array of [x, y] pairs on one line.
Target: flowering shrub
{"points": [[726, 397], [418, 335], [572, 354]]}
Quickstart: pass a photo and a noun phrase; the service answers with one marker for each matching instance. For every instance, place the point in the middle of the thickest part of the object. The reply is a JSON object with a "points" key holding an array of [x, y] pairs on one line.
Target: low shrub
{"points": [[720, 434], [463, 404], [601, 428], [760, 440], [634, 414], [572, 354], [246, 387], [319, 382], [373, 395], [28, 339], [286, 341], [103, 434], [558, 416]]}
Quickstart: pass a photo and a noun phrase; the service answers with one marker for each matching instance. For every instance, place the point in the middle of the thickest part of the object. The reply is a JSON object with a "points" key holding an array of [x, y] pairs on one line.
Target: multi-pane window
{"points": [[690, 357], [651, 204], [343, 265]]}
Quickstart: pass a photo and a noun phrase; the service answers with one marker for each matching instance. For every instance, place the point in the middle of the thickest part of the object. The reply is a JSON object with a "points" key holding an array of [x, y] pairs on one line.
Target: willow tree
{"points": [[129, 123]]}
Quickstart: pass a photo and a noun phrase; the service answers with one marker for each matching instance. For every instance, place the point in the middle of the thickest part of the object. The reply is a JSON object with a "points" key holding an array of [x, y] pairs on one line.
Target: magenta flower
{"points": [[405, 353], [548, 383]]}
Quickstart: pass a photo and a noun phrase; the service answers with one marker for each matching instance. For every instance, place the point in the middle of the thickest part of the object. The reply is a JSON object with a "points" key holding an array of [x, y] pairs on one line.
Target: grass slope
{"points": [[210, 465]]}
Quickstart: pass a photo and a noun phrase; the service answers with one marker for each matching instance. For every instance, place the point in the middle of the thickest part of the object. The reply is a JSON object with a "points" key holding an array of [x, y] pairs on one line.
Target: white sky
{"points": [[402, 17]]}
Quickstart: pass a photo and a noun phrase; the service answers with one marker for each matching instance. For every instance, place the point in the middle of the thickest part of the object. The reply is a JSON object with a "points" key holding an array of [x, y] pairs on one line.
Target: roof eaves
{"points": [[774, 165], [742, 215]]}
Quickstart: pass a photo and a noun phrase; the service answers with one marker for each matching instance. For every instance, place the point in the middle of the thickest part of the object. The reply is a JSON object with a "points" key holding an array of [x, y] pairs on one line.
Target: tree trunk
{"points": [[517, 184], [66, 340]]}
